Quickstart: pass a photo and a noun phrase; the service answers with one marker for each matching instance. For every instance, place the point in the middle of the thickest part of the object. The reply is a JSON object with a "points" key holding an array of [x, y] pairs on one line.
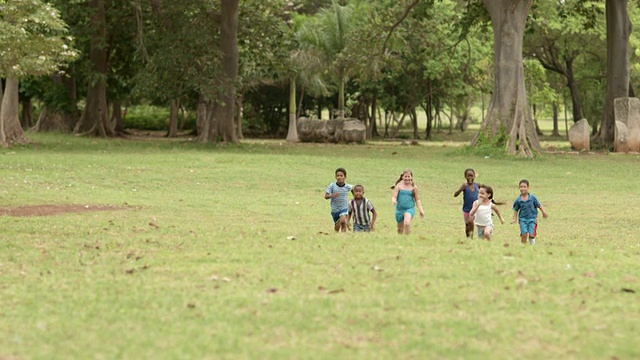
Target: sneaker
{"points": [[532, 241]]}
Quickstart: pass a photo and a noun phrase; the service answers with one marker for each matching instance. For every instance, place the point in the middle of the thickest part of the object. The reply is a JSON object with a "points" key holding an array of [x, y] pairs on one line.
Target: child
{"points": [[405, 197], [470, 189], [338, 192], [482, 210], [526, 212], [359, 208]]}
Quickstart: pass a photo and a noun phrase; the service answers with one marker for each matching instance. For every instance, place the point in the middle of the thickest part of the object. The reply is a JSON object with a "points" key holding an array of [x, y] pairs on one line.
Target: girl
{"points": [[405, 198], [470, 189], [482, 210]]}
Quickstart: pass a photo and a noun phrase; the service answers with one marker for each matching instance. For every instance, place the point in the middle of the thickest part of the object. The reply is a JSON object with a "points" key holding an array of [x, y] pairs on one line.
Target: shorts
{"points": [[336, 215], [361, 228], [466, 216], [400, 214], [481, 230], [528, 226]]}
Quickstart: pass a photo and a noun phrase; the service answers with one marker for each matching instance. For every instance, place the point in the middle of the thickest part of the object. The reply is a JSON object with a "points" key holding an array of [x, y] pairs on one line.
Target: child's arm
{"points": [[515, 217], [394, 198], [474, 208], [544, 212], [495, 209], [373, 218], [461, 189], [418, 202]]}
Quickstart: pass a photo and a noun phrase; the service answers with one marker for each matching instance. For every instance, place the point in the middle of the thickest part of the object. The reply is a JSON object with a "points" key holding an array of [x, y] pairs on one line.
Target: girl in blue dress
{"points": [[406, 198]]}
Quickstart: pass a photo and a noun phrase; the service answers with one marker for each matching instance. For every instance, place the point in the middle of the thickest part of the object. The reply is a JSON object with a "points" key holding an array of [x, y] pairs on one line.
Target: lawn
{"points": [[171, 249]]}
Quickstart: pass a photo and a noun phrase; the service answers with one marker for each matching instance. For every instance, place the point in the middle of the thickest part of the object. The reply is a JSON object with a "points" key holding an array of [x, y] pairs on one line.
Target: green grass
{"points": [[218, 276]]}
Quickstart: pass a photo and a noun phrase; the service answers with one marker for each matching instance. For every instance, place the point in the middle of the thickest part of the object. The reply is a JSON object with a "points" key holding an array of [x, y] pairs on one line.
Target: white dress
{"points": [[483, 215]]}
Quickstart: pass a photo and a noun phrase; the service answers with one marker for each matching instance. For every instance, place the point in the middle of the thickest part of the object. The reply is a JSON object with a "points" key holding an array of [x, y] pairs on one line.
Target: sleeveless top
{"points": [[405, 200], [469, 197], [483, 215]]}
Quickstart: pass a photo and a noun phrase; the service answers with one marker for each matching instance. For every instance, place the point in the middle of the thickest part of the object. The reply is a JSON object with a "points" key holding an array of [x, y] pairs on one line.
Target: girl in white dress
{"points": [[482, 210]]}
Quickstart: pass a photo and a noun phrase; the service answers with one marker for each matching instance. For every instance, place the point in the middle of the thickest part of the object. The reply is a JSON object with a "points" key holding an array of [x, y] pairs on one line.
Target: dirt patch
{"points": [[46, 210]]}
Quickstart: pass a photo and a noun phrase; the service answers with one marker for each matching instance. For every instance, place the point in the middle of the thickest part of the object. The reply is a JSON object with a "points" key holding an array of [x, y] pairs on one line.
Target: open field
{"points": [[170, 249]]}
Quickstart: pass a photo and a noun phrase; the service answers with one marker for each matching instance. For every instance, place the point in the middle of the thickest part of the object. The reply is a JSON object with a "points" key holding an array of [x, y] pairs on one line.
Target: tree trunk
{"points": [[239, 115], [60, 120], [618, 32], [578, 113], [509, 122], [174, 107], [95, 117], [224, 109], [556, 131], [26, 119], [292, 133], [118, 120], [373, 128], [10, 130]]}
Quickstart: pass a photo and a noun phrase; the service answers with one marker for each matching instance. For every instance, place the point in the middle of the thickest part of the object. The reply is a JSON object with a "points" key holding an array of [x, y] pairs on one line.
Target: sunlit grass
{"points": [[228, 252]]}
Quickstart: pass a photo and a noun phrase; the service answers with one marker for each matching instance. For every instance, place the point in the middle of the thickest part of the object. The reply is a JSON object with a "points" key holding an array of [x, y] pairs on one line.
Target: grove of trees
{"points": [[256, 66]]}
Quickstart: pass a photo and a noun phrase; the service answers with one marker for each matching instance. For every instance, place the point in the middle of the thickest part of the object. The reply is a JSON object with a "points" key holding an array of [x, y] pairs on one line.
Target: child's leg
{"points": [[343, 223], [523, 238], [407, 223], [400, 227], [487, 233]]}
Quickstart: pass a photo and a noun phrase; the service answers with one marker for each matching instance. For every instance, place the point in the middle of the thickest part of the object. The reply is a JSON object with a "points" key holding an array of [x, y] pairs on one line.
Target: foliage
{"points": [[147, 117], [33, 39]]}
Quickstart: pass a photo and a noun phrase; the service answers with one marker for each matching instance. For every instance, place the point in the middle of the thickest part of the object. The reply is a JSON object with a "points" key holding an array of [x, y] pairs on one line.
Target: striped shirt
{"points": [[361, 212], [341, 202]]}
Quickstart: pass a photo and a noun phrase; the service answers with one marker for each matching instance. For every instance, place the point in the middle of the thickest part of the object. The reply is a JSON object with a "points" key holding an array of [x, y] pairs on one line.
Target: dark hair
{"points": [[358, 186], [469, 169], [489, 191], [524, 181], [342, 170]]}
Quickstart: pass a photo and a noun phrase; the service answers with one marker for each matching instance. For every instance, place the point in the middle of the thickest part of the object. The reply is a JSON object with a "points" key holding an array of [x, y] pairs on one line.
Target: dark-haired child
{"points": [[338, 192]]}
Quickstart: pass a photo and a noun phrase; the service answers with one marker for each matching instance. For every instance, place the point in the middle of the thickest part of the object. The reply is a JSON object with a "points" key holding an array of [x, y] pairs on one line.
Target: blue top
{"points": [[405, 200], [341, 202], [527, 209], [469, 197]]}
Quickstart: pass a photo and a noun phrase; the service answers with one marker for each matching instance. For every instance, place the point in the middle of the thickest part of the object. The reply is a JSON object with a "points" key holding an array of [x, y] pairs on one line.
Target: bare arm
{"points": [[515, 217], [394, 198], [474, 208], [418, 201], [373, 218], [495, 209], [461, 189], [544, 212]]}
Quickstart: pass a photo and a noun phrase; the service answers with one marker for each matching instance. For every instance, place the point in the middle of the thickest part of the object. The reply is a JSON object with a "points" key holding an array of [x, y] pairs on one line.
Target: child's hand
{"points": [[513, 221], [502, 220]]}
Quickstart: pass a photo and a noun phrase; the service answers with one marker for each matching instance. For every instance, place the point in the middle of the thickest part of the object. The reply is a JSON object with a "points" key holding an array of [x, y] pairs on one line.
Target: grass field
{"points": [[210, 252]]}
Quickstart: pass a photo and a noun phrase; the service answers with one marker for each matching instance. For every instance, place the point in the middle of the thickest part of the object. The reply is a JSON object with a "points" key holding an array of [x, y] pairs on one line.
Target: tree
{"points": [[33, 41], [222, 122], [618, 32], [508, 121]]}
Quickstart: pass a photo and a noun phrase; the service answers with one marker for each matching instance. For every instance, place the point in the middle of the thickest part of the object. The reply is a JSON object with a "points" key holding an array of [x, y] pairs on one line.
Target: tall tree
{"points": [[94, 120], [222, 122], [509, 121], [618, 32], [33, 42]]}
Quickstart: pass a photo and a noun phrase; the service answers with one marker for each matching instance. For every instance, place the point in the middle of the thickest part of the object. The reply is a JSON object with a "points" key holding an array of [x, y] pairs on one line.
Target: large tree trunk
{"points": [[292, 133], [10, 130], [221, 121], [26, 119], [118, 120], [509, 122], [618, 32], [95, 117]]}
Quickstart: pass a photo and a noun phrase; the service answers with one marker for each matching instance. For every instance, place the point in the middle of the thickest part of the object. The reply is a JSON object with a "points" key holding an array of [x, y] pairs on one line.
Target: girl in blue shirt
{"points": [[405, 198]]}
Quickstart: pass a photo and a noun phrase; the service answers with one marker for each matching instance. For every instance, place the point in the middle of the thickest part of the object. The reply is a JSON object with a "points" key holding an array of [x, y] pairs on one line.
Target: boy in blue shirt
{"points": [[338, 192], [526, 212]]}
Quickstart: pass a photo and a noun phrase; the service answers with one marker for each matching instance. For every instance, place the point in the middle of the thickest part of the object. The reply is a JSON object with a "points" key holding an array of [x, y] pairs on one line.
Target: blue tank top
{"points": [[405, 200], [469, 197]]}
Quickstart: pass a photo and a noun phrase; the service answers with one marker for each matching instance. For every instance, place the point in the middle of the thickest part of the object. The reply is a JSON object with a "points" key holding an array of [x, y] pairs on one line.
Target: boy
{"points": [[526, 212], [360, 208], [338, 192]]}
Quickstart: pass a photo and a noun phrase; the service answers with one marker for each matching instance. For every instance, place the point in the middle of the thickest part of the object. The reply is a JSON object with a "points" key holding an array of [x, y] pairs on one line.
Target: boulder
{"points": [[627, 111], [579, 135], [332, 131], [621, 137]]}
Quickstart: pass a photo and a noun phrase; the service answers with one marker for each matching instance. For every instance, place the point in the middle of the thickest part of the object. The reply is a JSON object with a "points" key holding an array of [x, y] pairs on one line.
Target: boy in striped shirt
{"points": [[361, 209]]}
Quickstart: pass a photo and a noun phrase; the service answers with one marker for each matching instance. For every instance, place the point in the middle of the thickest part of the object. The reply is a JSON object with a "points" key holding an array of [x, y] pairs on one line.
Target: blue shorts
{"points": [[361, 228], [527, 226], [481, 230], [400, 214], [336, 215]]}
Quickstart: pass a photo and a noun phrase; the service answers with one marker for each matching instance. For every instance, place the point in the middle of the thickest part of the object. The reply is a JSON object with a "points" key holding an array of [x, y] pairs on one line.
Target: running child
{"points": [[470, 194], [405, 198], [338, 192], [525, 211], [481, 212], [362, 210]]}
